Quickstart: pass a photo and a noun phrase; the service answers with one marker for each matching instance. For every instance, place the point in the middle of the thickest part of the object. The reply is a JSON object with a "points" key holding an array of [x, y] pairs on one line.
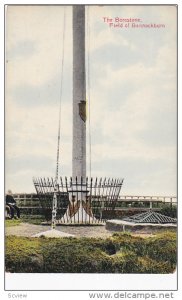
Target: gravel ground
{"points": [[25, 229]]}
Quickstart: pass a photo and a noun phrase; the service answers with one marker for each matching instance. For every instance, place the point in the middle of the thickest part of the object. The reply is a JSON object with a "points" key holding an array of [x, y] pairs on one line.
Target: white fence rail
{"points": [[33, 200]]}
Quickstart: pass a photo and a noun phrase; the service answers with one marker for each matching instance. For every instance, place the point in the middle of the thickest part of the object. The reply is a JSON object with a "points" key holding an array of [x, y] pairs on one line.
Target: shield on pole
{"points": [[82, 110]]}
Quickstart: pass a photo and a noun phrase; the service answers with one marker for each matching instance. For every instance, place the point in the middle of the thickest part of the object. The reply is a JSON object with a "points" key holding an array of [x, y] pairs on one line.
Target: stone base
{"points": [[80, 217], [53, 233], [120, 225]]}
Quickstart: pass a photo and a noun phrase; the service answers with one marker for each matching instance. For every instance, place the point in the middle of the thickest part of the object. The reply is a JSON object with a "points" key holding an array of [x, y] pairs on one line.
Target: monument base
{"points": [[53, 233], [80, 217]]}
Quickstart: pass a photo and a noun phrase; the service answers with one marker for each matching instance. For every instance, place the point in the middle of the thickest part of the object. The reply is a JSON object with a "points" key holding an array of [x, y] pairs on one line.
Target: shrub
{"points": [[121, 253], [148, 265], [126, 262], [75, 258], [163, 248], [129, 242], [23, 255], [170, 211]]}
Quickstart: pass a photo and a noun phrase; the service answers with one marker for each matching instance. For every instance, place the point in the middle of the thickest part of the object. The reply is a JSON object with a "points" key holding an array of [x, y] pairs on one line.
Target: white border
{"points": [[88, 281]]}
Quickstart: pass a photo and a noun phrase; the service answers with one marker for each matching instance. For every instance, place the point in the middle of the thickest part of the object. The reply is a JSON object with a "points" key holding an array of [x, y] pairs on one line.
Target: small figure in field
{"points": [[11, 203]]}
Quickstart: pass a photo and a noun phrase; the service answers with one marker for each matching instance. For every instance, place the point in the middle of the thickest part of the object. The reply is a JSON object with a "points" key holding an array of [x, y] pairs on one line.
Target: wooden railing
{"points": [[27, 200], [30, 204], [163, 199], [146, 201]]}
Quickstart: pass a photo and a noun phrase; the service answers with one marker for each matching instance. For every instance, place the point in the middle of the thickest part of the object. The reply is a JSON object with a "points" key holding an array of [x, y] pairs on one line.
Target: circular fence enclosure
{"points": [[79, 201]]}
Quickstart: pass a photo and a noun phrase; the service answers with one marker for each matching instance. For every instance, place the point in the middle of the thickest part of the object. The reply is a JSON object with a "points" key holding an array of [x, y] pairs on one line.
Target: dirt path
{"points": [[26, 229]]}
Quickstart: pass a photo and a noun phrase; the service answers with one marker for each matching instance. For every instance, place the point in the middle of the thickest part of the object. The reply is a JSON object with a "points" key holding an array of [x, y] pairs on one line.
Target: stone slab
{"points": [[120, 225], [53, 233]]}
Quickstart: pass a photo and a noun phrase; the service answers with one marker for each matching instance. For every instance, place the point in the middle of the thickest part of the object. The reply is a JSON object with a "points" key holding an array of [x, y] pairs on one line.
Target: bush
{"points": [[121, 253], [170, 211], [126, 262], [23, 255], [163, 248], [71, 256], [148, 265]]}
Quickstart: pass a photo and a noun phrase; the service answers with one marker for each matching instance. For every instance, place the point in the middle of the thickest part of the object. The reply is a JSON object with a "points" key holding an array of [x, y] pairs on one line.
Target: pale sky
{"points": [[133, 96]]}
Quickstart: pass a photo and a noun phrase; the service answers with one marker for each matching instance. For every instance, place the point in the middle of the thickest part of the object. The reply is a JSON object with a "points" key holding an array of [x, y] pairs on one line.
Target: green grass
{"points": [[121, 253], [36, 220], [12, 222], [24, 219]]}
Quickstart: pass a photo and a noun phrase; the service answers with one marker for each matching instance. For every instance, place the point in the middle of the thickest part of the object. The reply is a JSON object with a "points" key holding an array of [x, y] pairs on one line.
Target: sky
{"points": [[133, 96]]}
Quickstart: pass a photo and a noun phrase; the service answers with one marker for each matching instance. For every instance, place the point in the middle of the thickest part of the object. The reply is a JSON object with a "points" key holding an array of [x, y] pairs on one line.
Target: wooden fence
{"points": [[30, 205]]}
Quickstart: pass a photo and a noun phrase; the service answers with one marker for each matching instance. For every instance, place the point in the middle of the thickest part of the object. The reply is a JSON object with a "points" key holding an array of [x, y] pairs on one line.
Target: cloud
{"points": [[42, 27], [22, 49], [29, 95]]}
